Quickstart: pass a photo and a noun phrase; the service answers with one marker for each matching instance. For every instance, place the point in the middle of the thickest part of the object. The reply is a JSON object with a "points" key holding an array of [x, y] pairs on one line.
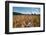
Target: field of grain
{"points": [[22, 21]]}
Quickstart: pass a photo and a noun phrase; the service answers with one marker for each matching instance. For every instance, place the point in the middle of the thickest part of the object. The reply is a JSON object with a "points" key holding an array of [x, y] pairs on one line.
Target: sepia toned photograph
{"points": [[26, 17]]}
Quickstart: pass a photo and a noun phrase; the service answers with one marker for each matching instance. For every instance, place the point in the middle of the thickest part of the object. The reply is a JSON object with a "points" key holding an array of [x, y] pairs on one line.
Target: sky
{"points": [[26, 10]]}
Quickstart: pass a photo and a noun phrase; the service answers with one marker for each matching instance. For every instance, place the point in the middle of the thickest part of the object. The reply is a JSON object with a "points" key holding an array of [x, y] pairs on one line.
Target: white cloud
{"points": [[30, 12]]}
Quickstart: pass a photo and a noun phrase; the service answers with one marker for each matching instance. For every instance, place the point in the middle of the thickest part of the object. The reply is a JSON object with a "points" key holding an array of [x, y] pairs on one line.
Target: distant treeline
{"points": [[15, 13]]}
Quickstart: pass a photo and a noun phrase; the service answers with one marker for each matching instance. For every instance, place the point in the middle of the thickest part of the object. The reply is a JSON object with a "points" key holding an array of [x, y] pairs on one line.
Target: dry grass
{"points": [[26, 21]]}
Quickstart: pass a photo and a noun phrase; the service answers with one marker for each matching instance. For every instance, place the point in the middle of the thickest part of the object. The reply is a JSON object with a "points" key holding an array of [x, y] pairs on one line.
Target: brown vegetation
{"points": [[26, 21]]}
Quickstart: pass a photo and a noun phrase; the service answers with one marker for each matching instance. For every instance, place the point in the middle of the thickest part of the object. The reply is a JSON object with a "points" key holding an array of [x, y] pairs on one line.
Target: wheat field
{"points": [[22, 21]]}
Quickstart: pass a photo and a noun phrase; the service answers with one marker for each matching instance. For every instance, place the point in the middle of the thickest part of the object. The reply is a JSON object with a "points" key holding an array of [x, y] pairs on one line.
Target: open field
{"points": [[22, 21]]}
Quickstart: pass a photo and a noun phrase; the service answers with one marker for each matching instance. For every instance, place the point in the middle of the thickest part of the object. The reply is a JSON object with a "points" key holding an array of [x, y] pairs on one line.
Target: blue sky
{"points": [[25, 9]]}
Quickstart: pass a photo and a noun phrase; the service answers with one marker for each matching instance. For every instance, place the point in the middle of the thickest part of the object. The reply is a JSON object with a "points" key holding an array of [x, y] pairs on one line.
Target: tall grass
{"points": [[26, 21]]}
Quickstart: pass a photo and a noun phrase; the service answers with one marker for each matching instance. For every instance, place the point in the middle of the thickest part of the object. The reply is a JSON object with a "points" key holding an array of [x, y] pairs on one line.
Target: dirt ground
{"points": [[21, 21]]}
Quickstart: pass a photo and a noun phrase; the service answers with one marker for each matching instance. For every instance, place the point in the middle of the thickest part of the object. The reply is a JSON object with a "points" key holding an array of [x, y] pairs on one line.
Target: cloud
{"points": [[26, 10]]}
